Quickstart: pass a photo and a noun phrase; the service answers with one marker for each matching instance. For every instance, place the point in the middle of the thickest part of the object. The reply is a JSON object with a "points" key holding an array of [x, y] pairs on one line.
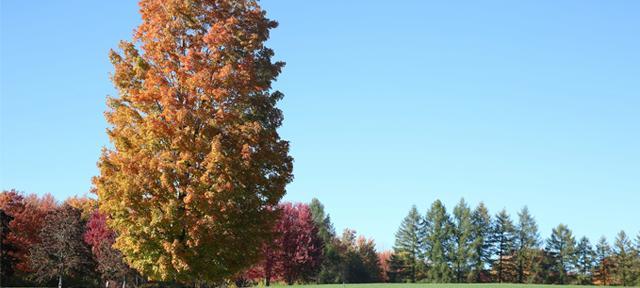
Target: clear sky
{"points": [[388, 104]]}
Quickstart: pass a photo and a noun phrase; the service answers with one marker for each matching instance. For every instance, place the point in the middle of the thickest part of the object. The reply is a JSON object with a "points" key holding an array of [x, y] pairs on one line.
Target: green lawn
{"points": [[421, 285]]}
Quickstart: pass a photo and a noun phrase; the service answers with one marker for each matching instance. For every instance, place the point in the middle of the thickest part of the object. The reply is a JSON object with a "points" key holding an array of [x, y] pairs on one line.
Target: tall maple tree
{"points": [[197, 164]]}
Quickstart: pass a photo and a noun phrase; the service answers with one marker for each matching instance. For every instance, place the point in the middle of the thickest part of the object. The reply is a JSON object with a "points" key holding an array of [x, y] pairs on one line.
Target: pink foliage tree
{"points": [[296, 251]]}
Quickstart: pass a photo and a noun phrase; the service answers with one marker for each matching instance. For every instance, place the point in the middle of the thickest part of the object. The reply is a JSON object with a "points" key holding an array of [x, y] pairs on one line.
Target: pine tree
{"points": [[482, 247], [561, 247], [197, 164], [585, 257], [527, 241], [397, 269], [623, 251], [503, 238], [408, 243], [637, 259], [462, 242], [437, 227], [331, 267], [604, 265]]}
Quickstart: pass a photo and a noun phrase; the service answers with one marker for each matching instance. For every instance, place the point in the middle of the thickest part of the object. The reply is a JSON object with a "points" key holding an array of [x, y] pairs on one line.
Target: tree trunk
{"points": [[60, 281], [124, 281], [106, 284]]}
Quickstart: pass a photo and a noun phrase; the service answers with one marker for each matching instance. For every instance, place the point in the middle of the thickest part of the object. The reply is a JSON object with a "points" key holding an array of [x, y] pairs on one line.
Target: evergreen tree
{"points": [[561, 247], [462, 244], [397, 269], [408, 242], [637, 259], [623, 251], [527, 241], [584, 261], [482, 248], [541, 266], [503, 238], [331, 267], [603, 263], [437, 227]]}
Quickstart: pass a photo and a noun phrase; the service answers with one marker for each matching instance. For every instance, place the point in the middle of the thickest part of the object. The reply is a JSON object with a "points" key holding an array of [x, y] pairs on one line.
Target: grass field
{"points": [[425, 285]]}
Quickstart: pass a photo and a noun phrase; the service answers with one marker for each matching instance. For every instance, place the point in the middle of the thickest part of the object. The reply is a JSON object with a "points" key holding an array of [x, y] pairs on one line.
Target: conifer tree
{"points": [[637, 259], [481, 245], [331, 266], [197, 164], [503, 238], [604, 265], [527, 241], [397, 269], [462, 242], [623, 251], [437, 227], [584, 261], [408, 243], [561, 247]]}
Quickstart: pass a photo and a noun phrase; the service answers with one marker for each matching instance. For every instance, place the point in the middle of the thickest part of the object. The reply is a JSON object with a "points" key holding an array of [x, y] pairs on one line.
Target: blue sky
{"points": [[387, 104]]}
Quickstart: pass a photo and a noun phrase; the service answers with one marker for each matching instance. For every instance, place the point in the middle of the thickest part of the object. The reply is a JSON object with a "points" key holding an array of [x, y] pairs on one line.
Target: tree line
{"points": [[45, 242], [471, 246], [70, 243]]}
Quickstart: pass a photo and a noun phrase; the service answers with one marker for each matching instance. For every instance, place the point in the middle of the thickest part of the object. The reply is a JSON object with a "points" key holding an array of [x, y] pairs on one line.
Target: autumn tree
{"points": [[462, 248], [300, 244], [481, 246], [86, 205], [561, 247], [196, 163], [11, 203], [408, 245], [61, 253], [503, 238], [437, 227], [295, 253], [27, 213], [360, 259], [527, 241], [370, 260], [384, 258], [110, 263]]}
